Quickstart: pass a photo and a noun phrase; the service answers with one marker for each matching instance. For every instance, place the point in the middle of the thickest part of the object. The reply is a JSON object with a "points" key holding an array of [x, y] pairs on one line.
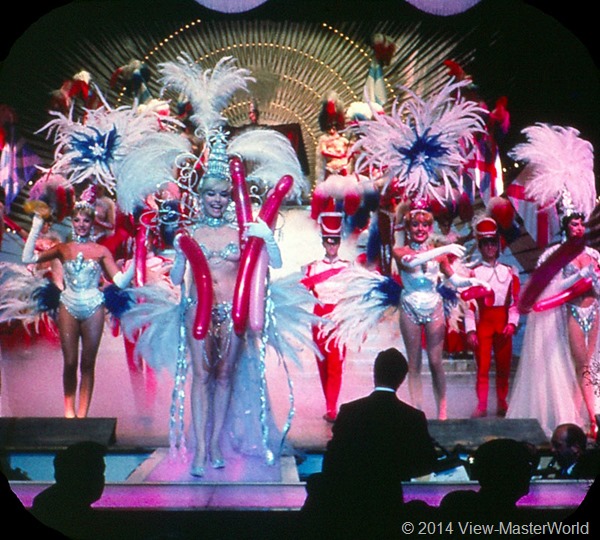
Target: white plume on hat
{"points": [[559, 164]]}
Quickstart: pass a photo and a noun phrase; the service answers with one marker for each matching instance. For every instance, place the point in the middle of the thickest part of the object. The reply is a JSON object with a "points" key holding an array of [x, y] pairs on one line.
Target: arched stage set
{"points": [[298, 51]]}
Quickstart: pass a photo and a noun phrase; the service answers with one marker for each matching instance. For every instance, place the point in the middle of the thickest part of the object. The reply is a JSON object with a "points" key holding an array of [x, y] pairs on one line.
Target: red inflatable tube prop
{"points": [[251, 253], [203, 280], [577, 289], [478, 292], [241, 198], [141, 252], [543, 274], [256, 308]]}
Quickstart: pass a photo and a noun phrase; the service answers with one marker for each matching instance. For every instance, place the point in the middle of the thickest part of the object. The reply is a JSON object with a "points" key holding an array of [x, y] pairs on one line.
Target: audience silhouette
{"points": [[67, 505], [571, 455], [378, 441], [503, 469]]}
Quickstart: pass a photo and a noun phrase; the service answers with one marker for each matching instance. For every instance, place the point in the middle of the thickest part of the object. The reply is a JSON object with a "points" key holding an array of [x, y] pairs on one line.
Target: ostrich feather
{"points": [[149, 166], [153, 322], [269, 155], [208, 90], [423, 143], [290, 317], [22, 295], [90, 149], [365, 299], [557, 159]]}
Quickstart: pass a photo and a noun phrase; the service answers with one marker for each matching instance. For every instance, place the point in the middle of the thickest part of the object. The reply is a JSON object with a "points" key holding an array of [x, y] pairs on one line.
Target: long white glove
{"points": [[459, 281], [123, 279], [260, 229], [29, 256], [412, 261], [178, 268], [585, 272]]}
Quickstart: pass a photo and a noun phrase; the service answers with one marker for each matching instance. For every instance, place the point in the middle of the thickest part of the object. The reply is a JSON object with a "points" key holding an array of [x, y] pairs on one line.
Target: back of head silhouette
{"points": [[390, 368]]}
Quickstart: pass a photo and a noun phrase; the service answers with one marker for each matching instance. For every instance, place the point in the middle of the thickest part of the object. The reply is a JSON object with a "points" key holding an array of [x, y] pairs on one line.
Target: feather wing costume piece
{"points": [[148, 167], [208, 90], [557, 161], [289, 318], [90, 150], [153, 321], [366, 298], [269, 156], [26, 297], [423, 143]]}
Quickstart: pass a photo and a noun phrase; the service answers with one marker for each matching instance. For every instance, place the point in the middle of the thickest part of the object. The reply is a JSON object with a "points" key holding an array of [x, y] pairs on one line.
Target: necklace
{"points": [[416, 246], [81, 239], [214, 222]]}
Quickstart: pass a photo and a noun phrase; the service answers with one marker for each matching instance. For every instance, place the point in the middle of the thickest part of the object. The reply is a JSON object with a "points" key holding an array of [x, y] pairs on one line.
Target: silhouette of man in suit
{"points": [[378, 441], [571, 455]]}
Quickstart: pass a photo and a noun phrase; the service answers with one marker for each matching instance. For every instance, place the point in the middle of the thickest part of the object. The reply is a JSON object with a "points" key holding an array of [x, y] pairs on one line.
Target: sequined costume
{"points": [[419, 297], [81, 295], [545, 385], [585, 316]]}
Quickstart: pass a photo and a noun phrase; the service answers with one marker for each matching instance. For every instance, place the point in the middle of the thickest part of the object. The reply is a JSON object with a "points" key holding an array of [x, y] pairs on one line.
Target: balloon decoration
{"points": [[577, 289], [203, 280], [243, 207], [543, 274], [256, 308], [251, 253]]}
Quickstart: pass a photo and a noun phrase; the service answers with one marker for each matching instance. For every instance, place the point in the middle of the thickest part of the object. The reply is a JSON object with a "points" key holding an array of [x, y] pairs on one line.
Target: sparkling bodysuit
{"points": [[419, 297], [81, 296]]}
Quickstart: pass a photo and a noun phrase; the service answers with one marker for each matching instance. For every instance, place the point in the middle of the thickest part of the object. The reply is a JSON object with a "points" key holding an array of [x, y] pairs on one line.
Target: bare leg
{"points": [[199, 400], [68, 328], [411, 334], [434, 337], [91, 334], [224, 383], [582, 351]]}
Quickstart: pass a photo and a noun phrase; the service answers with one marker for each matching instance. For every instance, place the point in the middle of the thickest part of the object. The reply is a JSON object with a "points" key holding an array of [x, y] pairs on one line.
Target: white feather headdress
{"points": [[423, 143], [559, 168], [208, 90]]}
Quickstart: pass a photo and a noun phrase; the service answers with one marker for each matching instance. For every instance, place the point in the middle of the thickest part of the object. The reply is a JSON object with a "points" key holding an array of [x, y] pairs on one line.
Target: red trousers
{"points": [[330, 367], [491, 323]]}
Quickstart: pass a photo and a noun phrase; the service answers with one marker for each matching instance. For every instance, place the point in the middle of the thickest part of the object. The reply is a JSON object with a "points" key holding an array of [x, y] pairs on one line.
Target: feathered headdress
{"points": [[559, 168], [52, 195], [208, 91], [91, 150], [422, 142], [332, 113]]}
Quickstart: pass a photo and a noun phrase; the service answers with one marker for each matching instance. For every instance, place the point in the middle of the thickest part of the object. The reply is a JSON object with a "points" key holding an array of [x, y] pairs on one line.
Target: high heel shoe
{"points": [[197, 471], [218, 463]]}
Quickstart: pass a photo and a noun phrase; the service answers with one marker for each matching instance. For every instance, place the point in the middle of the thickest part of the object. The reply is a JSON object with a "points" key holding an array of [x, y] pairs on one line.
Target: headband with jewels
{"points": [[419, 205], [87, 199], [331, 224]]}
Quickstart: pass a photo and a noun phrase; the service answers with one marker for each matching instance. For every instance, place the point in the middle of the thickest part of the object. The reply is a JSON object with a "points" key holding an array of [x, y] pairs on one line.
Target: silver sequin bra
{"points": [[81, 296], [224, 254]]}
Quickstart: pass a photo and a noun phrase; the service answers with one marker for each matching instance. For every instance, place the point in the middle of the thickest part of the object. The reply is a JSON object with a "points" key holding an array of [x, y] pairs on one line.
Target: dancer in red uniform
{"points": [[490, 327], [317, 275]]}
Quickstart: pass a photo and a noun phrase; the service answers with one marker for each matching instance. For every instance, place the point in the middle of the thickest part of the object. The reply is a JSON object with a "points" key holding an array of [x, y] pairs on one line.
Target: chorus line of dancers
{"points": [[184, 271]]}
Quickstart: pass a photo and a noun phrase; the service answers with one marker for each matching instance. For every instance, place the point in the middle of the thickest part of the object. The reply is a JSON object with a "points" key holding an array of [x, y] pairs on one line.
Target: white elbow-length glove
{"points": [[458, 281], [29, 256], [123, 278], [260, 229], [412, 261], [178, 268]]}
